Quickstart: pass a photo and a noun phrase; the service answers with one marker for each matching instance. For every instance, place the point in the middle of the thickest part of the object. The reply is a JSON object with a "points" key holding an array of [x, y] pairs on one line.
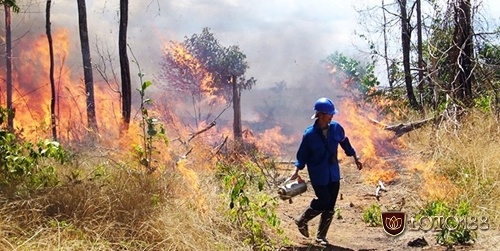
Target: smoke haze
{"points": [[283, 41]]}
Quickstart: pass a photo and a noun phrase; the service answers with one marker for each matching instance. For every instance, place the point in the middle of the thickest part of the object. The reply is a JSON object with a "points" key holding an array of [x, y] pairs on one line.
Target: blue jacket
{"points": [[320, 153]]}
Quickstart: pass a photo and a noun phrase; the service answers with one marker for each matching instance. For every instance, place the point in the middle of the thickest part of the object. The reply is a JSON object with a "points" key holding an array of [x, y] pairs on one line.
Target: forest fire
{"points": [[196, 79], [32, 103], [32, 95], [371, 141]]}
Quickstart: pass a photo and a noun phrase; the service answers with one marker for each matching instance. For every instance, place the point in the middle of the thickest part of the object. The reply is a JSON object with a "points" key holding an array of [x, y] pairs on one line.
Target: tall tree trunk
{"points": [[53, 116], [8, 66], [463, 51], [237, 130], [420, 54], [406, 42], [390, 73], [87, 66], [124, 66]]}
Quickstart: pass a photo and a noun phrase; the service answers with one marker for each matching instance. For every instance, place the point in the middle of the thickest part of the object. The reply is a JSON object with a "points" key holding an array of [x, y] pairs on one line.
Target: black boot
{"points": [[305, 217], [324, 225]]}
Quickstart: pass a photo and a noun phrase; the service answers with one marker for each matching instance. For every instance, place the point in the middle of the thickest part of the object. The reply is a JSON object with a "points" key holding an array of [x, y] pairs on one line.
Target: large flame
{"points": [[372, 143], [32, 92]]}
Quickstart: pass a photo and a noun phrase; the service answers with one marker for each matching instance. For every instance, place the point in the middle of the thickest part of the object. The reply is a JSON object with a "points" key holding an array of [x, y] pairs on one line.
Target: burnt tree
{"points": [[462, 52], [406, 47], [87, 65], [420, 54], [124, 65], [8, 4], [48, 32], [200, 66]]}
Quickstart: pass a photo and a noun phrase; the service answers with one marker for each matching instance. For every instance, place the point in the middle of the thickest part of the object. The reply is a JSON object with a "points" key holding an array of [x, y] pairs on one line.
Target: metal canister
{"points": [[291, 189]]}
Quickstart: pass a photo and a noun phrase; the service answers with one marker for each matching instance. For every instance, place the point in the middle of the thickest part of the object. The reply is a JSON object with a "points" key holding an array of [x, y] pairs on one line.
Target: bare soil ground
{"points": [[349, 232]]}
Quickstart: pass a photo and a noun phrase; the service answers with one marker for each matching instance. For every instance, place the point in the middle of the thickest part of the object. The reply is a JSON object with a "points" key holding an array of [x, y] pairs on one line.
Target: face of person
{"points": [[324, 118]]}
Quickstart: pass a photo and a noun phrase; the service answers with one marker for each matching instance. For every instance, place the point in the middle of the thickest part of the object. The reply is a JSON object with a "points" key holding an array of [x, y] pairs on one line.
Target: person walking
{"points": [[318, 151]]}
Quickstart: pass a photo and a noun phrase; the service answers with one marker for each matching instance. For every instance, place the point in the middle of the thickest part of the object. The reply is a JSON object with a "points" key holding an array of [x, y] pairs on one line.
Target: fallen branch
{"points": [[403, 128], [202, 131], [218, 148]]}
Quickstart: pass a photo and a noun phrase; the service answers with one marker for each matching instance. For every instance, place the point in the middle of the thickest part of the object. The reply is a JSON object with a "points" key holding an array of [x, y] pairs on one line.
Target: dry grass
{"points": [[113, 208], [104, 203], [467, 156]]}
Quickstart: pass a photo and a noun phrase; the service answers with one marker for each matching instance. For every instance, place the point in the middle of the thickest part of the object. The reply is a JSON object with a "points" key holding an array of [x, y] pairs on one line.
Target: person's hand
{"points": [[295, 175], [358, 162]]}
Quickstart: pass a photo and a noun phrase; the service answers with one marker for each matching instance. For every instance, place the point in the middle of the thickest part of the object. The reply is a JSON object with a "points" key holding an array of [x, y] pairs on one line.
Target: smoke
{"points": [[283, 40]]}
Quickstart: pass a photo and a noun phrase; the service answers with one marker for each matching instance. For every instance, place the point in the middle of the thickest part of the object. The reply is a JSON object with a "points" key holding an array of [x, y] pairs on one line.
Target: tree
{"points": [[124, 65], [234, 66], [462, 52], [406, 46], [489, 65], [51, 72], [8, 4], [447, 44], [390, 75], [354, 71], [87, 65], [420, 53], [201, 66]]}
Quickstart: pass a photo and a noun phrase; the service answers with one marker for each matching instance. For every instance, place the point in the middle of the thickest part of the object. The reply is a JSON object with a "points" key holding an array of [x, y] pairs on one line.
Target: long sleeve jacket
{"points": [[319, 153]]}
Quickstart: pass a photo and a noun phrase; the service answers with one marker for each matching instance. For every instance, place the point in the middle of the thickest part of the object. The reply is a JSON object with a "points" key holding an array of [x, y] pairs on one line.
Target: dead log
{"points": [[402, 128]]}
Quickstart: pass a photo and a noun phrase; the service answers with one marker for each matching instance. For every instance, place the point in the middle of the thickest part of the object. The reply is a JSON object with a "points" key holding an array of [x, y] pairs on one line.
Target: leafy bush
{"points": [[250, 208], [373, 215], [25, 166], [455, 232]]}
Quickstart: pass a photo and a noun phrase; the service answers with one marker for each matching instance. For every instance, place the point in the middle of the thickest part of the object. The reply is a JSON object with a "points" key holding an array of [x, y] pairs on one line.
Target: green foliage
{"points": [[373, 215], [363, 76], [484, 103], [455, 232], [12, 4], [152, 130], [250, 207], [489, 54], [25, 166], [209, 68]]}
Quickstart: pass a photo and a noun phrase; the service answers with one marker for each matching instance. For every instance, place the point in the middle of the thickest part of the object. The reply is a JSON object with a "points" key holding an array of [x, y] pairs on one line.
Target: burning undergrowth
{"points": [[198, 136]]}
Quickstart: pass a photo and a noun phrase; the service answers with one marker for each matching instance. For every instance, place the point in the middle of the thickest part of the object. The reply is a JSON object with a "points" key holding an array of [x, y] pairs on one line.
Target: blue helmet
{"points": [[325, 105]]}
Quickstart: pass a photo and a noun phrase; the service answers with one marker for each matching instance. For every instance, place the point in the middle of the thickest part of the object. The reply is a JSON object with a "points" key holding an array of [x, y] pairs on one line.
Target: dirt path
{"points": [[349, 232]]}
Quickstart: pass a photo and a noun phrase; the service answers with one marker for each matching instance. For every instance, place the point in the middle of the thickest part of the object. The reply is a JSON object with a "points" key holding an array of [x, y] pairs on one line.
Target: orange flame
{"points": [[196, 70], [371, 142], [32, 92], [434, 186]]}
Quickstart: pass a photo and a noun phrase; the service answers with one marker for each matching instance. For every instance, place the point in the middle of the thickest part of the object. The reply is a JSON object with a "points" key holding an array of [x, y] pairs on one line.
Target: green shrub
{"points": [[455, 232], [25, 166], [373, 215], [250, 207]]}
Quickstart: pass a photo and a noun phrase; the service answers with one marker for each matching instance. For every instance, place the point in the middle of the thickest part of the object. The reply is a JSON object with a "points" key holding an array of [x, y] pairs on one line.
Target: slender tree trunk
{"points": [[406, 43], [124, 66], [464, 52], [87, 65], [51, 72], [420, 54], [8, 66], [237, 130], [390, 74]]}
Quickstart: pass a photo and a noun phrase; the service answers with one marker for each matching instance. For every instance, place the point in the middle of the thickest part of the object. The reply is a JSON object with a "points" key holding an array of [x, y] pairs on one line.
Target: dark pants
{"points": [[326, 196]]}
